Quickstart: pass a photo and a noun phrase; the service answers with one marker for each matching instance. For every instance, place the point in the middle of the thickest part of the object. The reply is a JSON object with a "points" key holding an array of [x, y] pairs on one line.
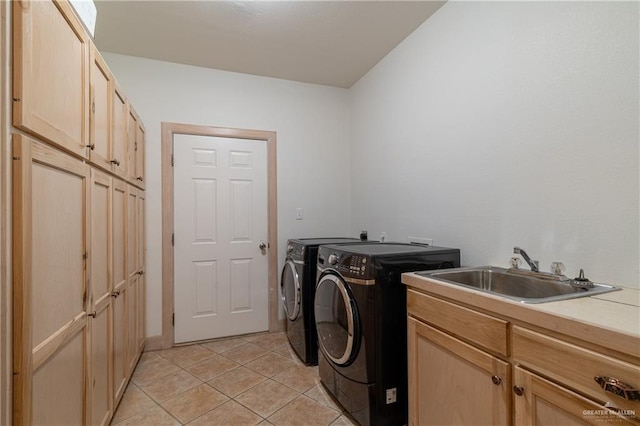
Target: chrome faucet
{"points": [[532, 263]]}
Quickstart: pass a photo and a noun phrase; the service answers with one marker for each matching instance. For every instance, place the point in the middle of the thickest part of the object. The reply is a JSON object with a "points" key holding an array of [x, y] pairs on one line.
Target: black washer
{"points": [[360, 310], [297, 289]]}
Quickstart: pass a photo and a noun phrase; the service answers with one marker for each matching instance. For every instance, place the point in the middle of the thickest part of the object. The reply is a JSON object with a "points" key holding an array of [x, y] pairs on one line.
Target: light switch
{"points": [[298, 214]]}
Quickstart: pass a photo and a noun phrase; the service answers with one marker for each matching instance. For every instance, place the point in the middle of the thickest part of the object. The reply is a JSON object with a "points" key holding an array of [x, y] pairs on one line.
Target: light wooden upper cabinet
{"points": [[132, 230], [119, 140], [139, 148], [50, 74], [100, 118], [135, 149], [132, 133]]}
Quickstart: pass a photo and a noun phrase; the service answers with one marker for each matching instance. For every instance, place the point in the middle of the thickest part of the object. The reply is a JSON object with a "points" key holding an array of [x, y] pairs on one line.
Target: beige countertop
{"points": [[611, 320]]}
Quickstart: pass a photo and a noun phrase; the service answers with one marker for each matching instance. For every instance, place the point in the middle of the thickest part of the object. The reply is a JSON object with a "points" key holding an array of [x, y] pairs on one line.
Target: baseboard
{"points": [[153, 343]]}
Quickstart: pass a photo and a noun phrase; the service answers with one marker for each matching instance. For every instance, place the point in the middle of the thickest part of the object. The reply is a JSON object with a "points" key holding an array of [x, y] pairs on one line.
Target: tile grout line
{"points": [[268, 350]]}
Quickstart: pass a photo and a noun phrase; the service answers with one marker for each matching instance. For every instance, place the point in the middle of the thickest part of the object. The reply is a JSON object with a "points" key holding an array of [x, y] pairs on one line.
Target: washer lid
{"points": [[322, 240], [390, 249]]}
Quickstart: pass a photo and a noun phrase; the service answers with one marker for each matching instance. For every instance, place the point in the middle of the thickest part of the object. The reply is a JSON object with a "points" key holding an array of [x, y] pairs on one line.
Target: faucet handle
{"points": [[515, 262], [557, 268]]}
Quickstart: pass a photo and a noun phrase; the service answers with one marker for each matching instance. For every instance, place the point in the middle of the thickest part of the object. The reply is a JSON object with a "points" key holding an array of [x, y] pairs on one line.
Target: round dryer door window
{"points": [[290, 290], [336, 319]]}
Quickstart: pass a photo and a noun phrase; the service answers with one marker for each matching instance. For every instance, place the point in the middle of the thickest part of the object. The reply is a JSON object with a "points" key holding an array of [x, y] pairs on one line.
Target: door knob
{"points": [[263, 247]]}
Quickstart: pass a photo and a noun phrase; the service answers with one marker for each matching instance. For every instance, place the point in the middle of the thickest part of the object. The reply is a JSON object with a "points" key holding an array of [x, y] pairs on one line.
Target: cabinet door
{"points": [[132, 231], [141, 271], [50, 337], [119, 131], [453, 383], [50, 74], [541, 402], [575, 366], [119, 294], [100, 117], [132, 133], [132, 323], [120, 365], [140, 147], [100, 311], [132, 279]]}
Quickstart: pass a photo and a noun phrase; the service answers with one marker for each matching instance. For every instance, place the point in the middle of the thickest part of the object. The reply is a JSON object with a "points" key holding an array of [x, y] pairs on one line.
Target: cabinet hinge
{"points": [[173, 239], [172, 161], [173, 319], [85, 255]]}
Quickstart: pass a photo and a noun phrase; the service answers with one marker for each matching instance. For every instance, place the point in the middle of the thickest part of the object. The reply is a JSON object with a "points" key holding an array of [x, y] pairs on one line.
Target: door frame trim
{"points": [[168, 131]]}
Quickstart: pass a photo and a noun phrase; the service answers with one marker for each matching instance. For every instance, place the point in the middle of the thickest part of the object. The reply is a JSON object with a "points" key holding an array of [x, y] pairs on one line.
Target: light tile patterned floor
{"points": [[247, 380]]}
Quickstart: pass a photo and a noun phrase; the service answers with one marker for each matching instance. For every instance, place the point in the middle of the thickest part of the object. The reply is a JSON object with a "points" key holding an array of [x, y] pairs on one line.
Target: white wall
{"points": [[498, 124], [312, 125]]}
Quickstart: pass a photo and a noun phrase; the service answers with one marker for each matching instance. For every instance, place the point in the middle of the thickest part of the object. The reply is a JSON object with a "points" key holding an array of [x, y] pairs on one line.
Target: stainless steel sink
{"points": [[520, 285]]}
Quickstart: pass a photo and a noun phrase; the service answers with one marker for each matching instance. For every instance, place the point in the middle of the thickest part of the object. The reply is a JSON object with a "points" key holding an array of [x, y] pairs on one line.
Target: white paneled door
{"points": [[220, 226]]}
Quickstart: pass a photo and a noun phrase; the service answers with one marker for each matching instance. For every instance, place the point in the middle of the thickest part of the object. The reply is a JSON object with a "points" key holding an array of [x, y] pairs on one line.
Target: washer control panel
{"points": [[356, 266], [295, 251]]}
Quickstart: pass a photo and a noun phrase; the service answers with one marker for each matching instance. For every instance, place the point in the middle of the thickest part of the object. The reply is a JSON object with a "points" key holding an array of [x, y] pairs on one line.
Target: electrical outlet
{"points": [[299, 214], [392, 395], [421, 240]]}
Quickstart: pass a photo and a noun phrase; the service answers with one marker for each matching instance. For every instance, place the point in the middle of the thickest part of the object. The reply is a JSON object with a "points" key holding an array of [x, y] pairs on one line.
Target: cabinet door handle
{"points": [[115, 161], [92, 146], [92, 314], [496, 380], [115, 293], [139, 178], [518, 390], [617, 387]]}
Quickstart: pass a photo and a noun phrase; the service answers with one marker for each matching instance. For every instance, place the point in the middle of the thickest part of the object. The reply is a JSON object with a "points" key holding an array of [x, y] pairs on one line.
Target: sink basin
{"points": [[523, 286]]}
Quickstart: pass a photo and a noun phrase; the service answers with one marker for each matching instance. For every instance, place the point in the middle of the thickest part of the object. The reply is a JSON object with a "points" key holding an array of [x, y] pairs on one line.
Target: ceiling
{"points": [[332, 43]]}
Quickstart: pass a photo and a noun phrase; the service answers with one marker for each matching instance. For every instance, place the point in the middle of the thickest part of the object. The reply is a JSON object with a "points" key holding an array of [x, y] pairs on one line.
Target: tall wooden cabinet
{"points": [[78, 224], [132, 272], [141, 248], [100, 304], [119, 294], [50, 284]]}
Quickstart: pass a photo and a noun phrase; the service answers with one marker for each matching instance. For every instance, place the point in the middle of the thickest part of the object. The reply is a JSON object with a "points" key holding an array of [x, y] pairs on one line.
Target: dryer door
{"points": [[290, 290], [337, 321]]}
